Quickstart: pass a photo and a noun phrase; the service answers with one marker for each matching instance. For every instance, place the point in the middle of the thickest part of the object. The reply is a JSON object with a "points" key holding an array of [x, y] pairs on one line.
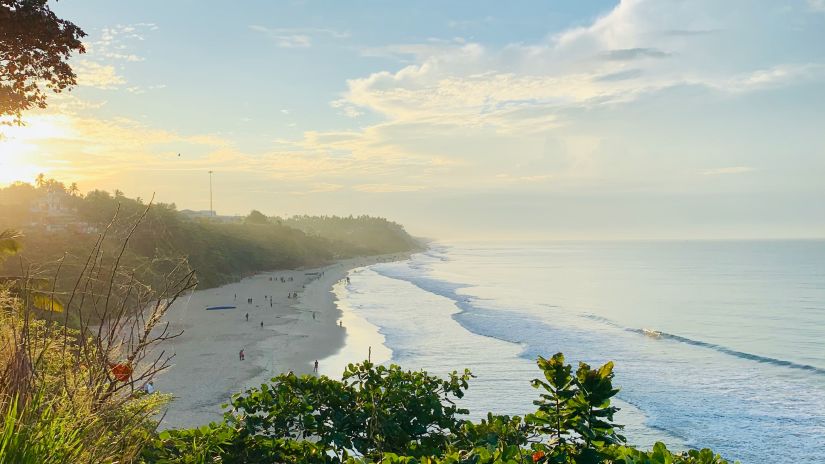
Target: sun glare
{"points": [[13, 164], [20, 150]]}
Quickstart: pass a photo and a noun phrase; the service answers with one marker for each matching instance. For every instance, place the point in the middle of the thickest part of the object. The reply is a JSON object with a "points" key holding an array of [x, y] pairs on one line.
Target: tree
{"points": [[388, 415], [35, 46], [372, 410], [40, 180], [257, 217], [74, 190]]}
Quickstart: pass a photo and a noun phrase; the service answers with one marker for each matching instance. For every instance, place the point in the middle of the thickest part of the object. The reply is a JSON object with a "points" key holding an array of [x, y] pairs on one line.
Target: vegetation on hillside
{"points": [[74, 395], [59, 225], [369, 235]]}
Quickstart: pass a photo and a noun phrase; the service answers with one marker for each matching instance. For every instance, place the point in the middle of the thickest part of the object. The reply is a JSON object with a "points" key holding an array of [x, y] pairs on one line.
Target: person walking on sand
{"points": [[316, 366], [247, 317], [262, 324], [241, 355]]}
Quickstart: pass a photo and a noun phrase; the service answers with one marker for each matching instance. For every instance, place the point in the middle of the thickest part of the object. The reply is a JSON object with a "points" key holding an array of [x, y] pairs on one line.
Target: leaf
{"points": [[46, 303], [9, 243]]}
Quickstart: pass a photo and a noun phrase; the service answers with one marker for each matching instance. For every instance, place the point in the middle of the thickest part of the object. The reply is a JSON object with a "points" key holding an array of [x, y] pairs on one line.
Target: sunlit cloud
{"points": [[590, 109], [101, 76]]}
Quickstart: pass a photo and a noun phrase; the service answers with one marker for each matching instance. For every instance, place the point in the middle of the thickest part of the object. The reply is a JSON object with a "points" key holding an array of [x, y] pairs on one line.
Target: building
{"points": [[51, 213]]}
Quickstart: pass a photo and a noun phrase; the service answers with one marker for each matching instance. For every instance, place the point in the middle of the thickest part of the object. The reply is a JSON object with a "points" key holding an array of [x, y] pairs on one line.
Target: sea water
{"points": [[716, 344]]}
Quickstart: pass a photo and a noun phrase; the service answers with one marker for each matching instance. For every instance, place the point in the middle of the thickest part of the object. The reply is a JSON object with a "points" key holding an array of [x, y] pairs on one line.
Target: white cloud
{"points": [[639, 48], [93, 74], [728, 170], [297, 37]]}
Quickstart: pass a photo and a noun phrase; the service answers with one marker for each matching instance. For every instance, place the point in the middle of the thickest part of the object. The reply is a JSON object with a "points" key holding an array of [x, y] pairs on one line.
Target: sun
{"points": [[20, 148], [14, 165]]}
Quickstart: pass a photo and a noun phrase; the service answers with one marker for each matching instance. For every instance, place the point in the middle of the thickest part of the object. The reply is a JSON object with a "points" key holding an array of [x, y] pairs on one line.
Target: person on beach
{"points": [[149, 388], [347, 279], [262, 324], [340, 323], [241, 355], [247, 317], [316, 366]]}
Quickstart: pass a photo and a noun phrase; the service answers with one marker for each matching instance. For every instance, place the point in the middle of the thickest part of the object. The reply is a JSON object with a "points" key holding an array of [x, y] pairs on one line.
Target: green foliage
{"points": [[361, 234], [374, 409], [387, 415], [256, 217], [9, 243], [36, 46], [219, 250], [661, 455], [222, 443], [36, 432]]}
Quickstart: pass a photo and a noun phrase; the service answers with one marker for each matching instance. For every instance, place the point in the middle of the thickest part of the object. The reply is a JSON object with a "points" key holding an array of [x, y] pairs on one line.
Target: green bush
{"points": [[388, 415]]}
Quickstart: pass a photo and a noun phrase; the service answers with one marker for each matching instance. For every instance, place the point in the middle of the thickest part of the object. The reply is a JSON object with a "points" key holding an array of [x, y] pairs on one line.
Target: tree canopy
{"points": [[388, 415], [35, 46]]}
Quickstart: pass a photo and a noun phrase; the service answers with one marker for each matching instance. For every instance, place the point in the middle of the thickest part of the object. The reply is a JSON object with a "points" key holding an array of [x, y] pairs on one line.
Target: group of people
{"points": [[241, 357], [291, 296]]}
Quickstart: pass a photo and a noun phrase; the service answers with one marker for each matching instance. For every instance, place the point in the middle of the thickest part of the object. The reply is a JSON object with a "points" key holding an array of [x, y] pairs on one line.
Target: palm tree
{"points": [[73, 189], [40, 180]]}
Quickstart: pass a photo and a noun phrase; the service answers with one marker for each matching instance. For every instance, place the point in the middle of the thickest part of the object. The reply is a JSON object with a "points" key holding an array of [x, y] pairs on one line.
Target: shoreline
{"points": [[280, 335]]}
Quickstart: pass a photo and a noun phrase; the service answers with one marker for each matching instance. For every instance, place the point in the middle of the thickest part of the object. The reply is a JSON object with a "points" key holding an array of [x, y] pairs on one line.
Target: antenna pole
{"points": [[211, 210]]}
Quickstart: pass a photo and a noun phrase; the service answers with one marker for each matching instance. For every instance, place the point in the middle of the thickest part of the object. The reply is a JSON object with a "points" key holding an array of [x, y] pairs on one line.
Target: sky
{"points": [[561, 119]]}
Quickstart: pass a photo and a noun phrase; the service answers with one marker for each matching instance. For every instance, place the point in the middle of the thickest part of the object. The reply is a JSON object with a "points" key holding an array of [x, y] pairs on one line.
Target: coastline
{"points": [[282, 335]]}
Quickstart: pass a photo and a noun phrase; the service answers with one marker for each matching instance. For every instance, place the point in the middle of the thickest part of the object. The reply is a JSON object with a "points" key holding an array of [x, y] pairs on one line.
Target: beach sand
{"points": [[206, 369]]}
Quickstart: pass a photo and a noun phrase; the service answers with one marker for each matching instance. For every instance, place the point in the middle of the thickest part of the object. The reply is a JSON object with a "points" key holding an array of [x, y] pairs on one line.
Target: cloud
{"points": [[113, 42], [728, 170], [97, 67], [564, 113], [100, 76], [627, 54], [817, 5], [297, 37], [526, 88], [620, 75], [386, 188]]}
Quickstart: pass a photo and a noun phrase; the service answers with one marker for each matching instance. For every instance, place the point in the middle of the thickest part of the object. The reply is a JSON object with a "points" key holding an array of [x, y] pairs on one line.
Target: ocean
{"points": [[737, 365]]}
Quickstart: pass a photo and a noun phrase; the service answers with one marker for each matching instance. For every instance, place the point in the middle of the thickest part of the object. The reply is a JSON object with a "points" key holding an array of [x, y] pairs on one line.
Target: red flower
{"points": [[538, 455], [122, 371]]}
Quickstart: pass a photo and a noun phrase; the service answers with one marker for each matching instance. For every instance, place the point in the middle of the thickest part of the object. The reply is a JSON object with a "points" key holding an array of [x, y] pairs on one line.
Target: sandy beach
{"points": [[280, 335]]}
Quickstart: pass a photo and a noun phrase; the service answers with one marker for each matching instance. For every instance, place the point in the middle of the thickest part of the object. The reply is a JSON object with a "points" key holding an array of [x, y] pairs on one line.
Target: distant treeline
{"points": [[369, 235], [58, 221]]}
